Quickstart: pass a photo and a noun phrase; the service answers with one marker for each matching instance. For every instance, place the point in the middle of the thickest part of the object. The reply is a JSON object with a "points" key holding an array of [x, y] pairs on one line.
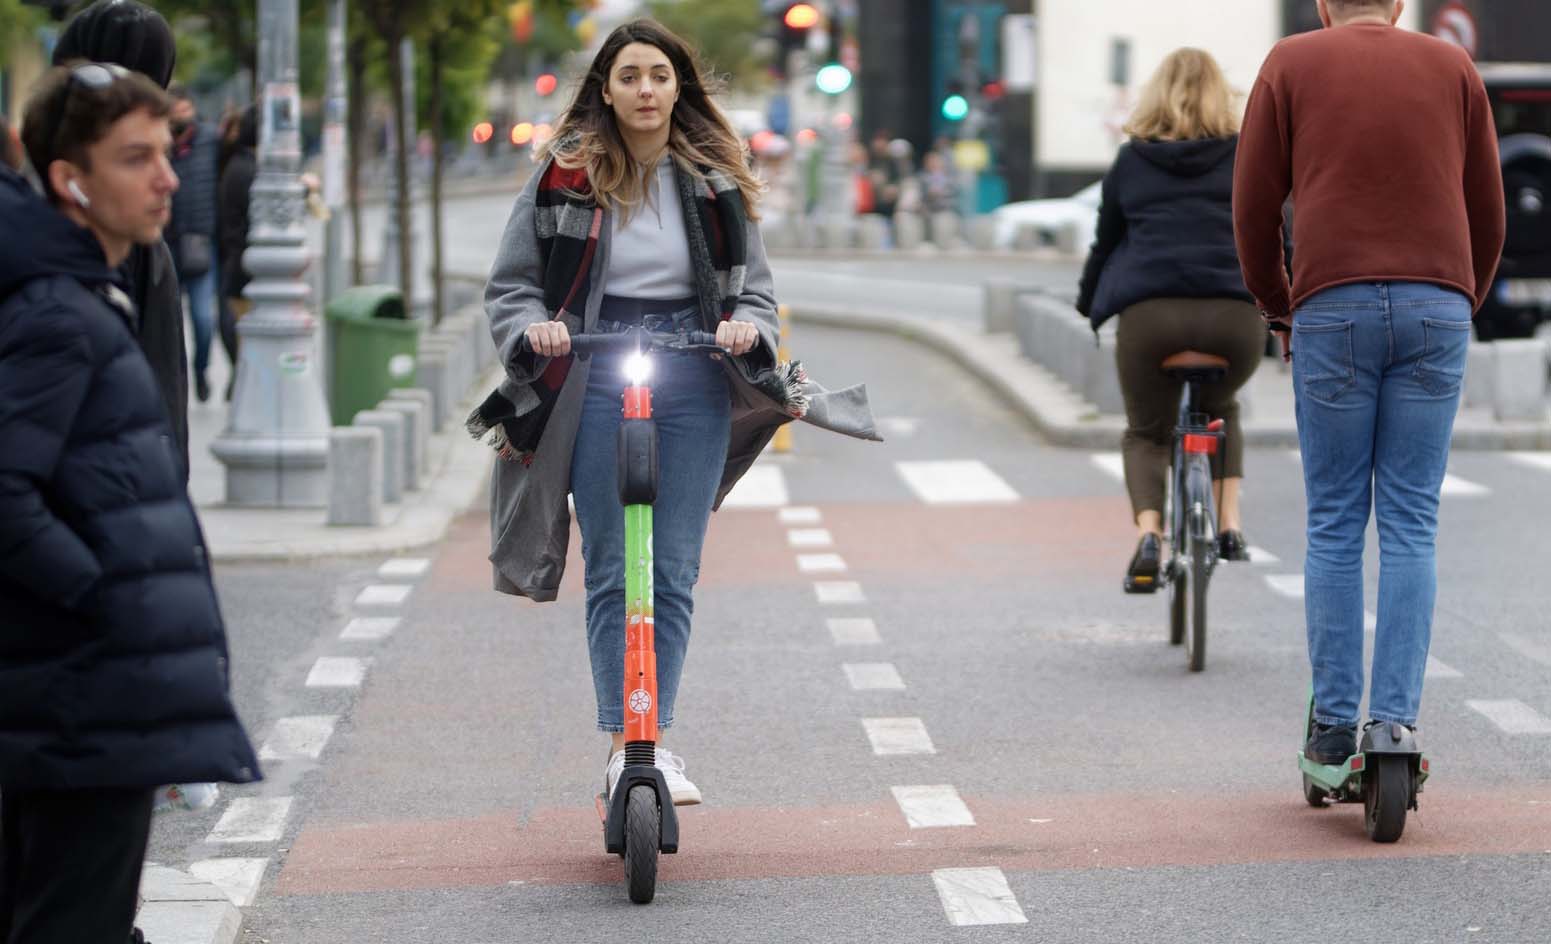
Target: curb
{"points": [[180, 909], [1065, 418], [460, 469]]}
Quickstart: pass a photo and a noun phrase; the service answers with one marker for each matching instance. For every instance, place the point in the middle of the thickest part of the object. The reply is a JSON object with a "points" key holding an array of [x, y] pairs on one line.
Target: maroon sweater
{"points": [[1385, 142]]}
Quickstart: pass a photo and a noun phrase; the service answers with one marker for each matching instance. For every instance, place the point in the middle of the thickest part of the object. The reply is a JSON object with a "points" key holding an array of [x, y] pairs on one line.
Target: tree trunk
{"points": [[355, 59], [438, 289], [401, 168]]}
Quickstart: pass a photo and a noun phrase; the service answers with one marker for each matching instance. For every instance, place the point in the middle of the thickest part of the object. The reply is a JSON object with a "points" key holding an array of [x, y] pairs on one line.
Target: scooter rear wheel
{"points": [[643, 838], [1386, 794]]}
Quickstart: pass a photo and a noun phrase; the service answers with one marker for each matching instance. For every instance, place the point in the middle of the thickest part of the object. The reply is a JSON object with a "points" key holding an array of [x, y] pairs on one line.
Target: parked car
{"points": [[1520, 299], [1052, 221]]}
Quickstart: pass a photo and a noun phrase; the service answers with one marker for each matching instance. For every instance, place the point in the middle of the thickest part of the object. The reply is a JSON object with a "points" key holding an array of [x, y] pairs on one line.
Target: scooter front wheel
{"points": [[643, 838], [1386, 794]]}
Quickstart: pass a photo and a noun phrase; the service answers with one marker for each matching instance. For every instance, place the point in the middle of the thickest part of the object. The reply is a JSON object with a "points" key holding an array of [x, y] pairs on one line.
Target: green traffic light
{"points": [[955, 107], [833, 79]]}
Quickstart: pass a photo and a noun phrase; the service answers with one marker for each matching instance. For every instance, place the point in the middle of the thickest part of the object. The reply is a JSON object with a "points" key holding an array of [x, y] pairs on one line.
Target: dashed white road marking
{"points": [[1110, 463], [800, 514], [763, 486], [896, 736], [1512, 716], [404, 568], [1438, 669], [854, 631], [369, 628], [1263, 557], [239, 878], [932, 807], [809, 537], [902, 427], [252, 819], [874, 677], [304, 736], [1288, 585], [837, 592], [977, 896], [1528, 648], [1537, 460], [955, 482], [821, 563], [1456, 487], [336, 672], [384, 594]]}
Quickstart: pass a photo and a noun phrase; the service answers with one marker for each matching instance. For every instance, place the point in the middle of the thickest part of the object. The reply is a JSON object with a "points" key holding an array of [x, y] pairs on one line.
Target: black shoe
{"points": [[1142, 575], [1331, 745], [1231, 546], [137, 937], [201, 387]]}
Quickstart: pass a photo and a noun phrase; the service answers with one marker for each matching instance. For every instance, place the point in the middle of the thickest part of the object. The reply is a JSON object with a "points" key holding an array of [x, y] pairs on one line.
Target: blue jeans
{"points": [[1377, 369], [692, 407], [202, 311]]}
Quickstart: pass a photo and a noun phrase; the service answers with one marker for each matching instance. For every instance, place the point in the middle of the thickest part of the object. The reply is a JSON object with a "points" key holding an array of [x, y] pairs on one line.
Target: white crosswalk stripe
{"points": [[1456, 487], [336, 672], [896, 736], [977, 897], [1530, 649], [1535, 460], [384, 595], [303, 737], [369, 628], [809, 537], [1111, 464], [763, 486], [837, 592], [955, 482], [874, 677], [238, 877], [800, 514], [821, 563], [252, 819], [404, 568], [1512, 716], [1262, 557], [1287, 585], [1438, 669], [854, 631], [932, 807]]}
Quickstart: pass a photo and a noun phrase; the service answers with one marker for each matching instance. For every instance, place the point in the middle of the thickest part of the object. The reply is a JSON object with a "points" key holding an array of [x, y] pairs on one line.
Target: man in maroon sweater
{"points": [[1384, 140]]}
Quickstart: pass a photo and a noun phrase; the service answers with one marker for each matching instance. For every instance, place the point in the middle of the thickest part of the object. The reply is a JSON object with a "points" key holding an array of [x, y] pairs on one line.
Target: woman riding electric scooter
{"points": [[642, 215]]}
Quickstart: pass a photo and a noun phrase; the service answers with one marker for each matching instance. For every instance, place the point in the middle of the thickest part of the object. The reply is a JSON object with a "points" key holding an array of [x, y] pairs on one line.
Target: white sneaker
{"points": [[683, 792], [616, 766]]}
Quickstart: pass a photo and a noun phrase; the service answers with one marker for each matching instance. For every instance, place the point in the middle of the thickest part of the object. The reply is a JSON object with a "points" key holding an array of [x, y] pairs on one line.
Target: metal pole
{"points": [[335, 153], [275, 445], [388, 266]]}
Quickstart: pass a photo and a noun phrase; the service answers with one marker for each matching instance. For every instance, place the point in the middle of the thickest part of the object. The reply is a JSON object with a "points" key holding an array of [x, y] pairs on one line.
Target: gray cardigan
{"points": [[530, 523]]}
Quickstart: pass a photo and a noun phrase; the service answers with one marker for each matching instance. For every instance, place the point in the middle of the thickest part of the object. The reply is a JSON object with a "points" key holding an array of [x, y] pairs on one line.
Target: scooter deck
{"points": [[1339, 778]]}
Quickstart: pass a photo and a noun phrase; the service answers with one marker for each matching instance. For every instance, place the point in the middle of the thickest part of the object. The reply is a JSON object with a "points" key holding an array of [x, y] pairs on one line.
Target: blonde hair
{"points": [[700, 137], [1187, 98]]}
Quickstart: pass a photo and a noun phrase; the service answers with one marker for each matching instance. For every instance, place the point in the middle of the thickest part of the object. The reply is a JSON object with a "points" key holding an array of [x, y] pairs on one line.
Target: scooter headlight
{"points": [[638, 367]]}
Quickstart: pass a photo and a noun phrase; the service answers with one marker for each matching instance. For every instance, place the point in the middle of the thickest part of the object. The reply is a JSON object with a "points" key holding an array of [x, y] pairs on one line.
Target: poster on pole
{"points": [[281, 131], [1019, 53]]}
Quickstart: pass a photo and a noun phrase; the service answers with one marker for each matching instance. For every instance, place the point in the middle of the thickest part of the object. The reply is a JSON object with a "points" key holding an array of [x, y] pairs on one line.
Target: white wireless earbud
{"points": [[75, 191]]}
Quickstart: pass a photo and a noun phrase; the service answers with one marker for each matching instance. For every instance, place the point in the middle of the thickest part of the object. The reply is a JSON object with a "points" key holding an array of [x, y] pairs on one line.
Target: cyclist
{"points": [[645, 178], [1163, 259], [1384, 139]]}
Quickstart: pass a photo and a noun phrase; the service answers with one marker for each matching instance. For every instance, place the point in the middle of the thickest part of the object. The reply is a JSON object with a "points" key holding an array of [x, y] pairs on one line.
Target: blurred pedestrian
{"points": [[234, 197], [113, 671], [938, 187], [1385, 140], [883, 170], [1163, 260], [136, 37], [192, 234]]}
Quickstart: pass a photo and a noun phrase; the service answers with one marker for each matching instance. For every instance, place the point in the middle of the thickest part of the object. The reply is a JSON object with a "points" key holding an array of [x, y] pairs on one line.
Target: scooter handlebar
{"points": [[624, 341]]}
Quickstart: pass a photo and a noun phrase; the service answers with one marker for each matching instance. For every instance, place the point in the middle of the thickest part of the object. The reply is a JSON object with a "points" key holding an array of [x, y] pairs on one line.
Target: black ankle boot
{"points": [[1142, 575], [1231, 545]]}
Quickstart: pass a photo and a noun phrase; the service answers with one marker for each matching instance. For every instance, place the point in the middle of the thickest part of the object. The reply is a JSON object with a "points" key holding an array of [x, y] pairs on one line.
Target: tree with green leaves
{"points": [[17, 20], [726, 32]]}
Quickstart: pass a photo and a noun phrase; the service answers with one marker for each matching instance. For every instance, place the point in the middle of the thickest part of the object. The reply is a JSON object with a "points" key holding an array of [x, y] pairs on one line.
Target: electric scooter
{"points": [[639, 821], [1385, 775]]}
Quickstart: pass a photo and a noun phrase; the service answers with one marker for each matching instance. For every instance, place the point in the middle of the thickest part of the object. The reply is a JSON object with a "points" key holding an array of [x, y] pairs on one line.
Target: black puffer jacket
{"points": [[112, 651], [1165, 228]]}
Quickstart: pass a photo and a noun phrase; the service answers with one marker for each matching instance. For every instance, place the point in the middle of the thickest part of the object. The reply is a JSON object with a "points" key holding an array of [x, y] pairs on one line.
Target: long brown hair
{"points": [[587, 136], [1187, 98]]}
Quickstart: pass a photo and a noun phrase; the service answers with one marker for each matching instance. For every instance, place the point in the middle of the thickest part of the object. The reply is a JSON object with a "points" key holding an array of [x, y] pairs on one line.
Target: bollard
{"points": [[394, 446], [417, 440], [427, 402], [1478, 374], [781, 442], [909, 230], [355, 475], [1519, 380]]}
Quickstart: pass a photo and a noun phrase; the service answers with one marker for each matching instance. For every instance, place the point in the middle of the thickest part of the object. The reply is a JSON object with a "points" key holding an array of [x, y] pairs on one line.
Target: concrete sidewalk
{"points": [[178, 908], [459, 469], [1065, 418]]}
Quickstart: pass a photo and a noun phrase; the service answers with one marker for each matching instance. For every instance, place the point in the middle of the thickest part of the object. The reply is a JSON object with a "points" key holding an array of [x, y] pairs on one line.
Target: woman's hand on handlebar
{"points": [[549, 339], [737, 337]]}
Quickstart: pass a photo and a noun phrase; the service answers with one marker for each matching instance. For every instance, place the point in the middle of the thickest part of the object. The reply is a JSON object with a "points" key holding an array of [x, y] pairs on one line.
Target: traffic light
{"points": [[801, 16], [833, 79], [955, 107]]}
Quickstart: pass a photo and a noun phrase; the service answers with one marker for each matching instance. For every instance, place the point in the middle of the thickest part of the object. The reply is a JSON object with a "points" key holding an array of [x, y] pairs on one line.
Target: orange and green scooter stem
{"points": [[640, 642]]}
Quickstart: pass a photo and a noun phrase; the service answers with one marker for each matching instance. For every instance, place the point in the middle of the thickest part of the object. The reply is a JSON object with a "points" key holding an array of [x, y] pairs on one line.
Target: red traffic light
{"points": [[801, 16]]}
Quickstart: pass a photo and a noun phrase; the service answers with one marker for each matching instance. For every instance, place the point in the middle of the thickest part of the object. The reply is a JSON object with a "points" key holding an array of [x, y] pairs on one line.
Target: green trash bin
{"points": [[373, 346]]}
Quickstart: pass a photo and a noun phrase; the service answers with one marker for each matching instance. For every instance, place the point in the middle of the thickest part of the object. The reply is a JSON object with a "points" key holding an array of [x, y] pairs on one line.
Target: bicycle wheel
{"points": [[1177, 572], [1199, 555]]}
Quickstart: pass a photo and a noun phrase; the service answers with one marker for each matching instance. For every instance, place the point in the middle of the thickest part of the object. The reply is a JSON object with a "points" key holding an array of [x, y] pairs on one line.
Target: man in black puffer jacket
{"points": [[138, 38], [113, 657]]}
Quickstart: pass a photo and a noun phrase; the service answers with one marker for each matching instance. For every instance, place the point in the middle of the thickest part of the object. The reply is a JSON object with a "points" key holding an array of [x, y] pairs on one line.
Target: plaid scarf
{"points": [[567, 219]]}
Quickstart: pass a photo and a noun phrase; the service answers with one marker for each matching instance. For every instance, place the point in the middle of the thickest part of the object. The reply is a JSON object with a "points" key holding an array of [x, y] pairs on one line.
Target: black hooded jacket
{"points": [[113, 655], [1165, 228]]}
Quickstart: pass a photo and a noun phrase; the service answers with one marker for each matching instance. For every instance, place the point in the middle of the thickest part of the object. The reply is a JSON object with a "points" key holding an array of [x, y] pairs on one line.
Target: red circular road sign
{"points": [[1456, 24]]}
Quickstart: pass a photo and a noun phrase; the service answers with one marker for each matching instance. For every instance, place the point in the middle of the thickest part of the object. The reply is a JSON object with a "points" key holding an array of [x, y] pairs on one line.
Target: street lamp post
{"points": [[275, 445]]}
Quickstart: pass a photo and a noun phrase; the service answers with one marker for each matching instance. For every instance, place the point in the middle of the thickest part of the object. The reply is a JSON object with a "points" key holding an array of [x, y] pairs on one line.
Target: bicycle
{"points": [[1190, 504], [639, 821]]}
